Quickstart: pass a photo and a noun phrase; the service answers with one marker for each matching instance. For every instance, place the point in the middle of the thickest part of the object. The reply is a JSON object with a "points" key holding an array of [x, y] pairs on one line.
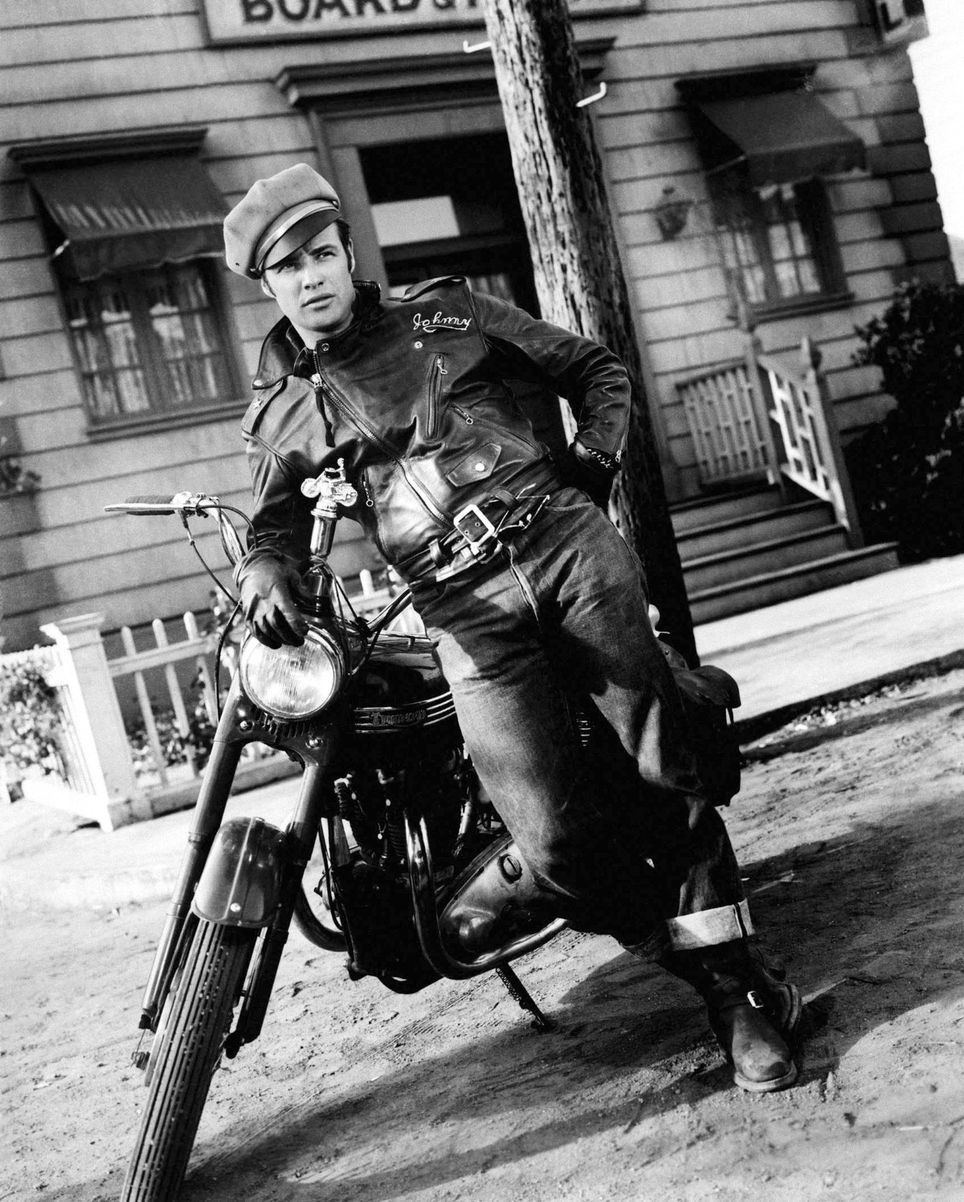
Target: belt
{"points": [[476, 538]]}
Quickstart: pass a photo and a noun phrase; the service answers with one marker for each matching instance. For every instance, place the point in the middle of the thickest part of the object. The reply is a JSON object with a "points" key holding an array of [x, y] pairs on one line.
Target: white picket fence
{"points": [[99, 776], [163, 656]]}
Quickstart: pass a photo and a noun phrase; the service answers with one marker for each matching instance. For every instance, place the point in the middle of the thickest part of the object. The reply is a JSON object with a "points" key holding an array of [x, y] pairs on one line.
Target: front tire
{"points": [[186, 1052]]}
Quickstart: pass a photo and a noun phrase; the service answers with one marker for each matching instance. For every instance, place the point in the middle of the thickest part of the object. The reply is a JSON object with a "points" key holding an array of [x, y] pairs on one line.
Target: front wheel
{"points": [[186, 1052]]}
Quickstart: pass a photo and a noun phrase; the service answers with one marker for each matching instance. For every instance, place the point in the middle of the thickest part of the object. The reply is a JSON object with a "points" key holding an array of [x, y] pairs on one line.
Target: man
{"points": [[534, 600]]}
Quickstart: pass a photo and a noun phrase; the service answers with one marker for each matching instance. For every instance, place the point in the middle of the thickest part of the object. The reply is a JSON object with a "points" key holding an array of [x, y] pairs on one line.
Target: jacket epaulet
{"points": [[254, 412]]}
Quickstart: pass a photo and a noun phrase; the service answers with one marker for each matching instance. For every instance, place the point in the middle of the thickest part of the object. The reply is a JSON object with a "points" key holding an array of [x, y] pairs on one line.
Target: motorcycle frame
{"points": [[210, 871], [282, 856]]}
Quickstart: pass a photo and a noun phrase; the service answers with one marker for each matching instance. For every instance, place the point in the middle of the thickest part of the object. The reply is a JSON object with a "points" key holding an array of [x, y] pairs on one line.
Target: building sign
{"points": [[238, 21]]}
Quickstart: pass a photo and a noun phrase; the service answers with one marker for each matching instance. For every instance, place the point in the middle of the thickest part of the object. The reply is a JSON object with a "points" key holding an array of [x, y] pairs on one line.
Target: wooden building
{"points": [[765, 160]]}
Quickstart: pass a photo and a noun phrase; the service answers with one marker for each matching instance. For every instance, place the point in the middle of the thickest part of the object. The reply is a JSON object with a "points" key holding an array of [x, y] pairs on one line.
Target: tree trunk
{"points": [[578, 274]]}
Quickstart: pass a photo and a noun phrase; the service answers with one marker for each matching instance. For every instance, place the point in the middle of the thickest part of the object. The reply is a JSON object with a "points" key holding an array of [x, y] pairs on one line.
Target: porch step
{"points": [[769, 588], [749, 548], [752, 527], [708, 511], [754, 559]]}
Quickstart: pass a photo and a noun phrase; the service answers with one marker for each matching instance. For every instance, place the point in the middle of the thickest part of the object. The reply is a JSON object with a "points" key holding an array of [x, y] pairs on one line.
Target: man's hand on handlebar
{"points": [[268, 605]]}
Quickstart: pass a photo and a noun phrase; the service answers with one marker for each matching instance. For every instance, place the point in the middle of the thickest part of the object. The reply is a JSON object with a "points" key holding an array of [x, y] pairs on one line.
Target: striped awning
{"points": [[127, 213]]}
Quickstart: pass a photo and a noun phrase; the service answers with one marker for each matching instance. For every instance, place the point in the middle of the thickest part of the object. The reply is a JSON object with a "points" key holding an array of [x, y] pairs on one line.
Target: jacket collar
{"points": [[284, 354]]}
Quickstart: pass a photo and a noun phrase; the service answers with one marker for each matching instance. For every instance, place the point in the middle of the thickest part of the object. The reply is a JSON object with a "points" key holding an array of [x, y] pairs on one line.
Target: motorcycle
{"points": [[415, 877]]}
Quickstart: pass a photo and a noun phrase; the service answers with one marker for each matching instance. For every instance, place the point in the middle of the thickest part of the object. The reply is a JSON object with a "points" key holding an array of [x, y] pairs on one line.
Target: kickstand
{"points": [[524, 998]]}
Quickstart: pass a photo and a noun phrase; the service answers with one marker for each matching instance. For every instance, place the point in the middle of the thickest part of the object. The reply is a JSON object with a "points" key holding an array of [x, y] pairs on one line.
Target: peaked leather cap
{"points": [[276, 216]]}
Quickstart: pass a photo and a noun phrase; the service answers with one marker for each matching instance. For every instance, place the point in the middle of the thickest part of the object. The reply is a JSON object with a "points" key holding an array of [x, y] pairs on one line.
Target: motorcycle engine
{"points": [[372, 888]]}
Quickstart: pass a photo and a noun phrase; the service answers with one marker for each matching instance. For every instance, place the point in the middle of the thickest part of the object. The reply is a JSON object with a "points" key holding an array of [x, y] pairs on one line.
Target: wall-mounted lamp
{"points": [[672, 212]]}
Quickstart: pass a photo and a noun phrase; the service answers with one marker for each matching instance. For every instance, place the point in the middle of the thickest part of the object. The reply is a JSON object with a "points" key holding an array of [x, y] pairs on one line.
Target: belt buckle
{"points": [[477, 546]]}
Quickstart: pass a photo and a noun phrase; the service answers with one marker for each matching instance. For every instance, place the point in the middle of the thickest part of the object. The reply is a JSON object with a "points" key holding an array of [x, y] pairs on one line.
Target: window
{"points": [[148, 342], [134, 224], [776, 241], [767, 142]]}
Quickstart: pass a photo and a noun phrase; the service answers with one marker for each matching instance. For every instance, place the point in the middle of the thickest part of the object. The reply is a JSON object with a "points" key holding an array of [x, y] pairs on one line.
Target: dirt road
{"points": [[854, 857]]}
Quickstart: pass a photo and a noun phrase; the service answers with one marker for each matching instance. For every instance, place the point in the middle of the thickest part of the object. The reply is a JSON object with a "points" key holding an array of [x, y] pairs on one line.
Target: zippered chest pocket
{"points": [[437, 372]]}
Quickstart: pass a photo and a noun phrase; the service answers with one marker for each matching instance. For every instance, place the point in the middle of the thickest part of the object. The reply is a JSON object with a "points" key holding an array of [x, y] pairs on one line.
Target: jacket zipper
{"points": [[435, 395], [370, 504], [466, 417], [348, 411]]}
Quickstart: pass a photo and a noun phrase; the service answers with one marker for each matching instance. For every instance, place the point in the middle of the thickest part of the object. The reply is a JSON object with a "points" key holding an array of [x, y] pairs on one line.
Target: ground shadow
{"points": [[818, 899], [855, 915]]}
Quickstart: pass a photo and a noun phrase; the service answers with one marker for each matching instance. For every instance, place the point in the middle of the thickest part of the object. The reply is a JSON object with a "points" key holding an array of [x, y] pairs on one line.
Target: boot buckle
{"points": [[755, 1000]]}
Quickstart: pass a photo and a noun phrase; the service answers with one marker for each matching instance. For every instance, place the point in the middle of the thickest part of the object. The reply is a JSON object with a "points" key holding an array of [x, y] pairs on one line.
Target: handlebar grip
{"points": [[151, 503]]}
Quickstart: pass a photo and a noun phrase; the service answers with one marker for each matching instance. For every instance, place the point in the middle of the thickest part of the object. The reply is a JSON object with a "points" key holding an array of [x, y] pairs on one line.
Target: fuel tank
{"points": [[401, 695]]}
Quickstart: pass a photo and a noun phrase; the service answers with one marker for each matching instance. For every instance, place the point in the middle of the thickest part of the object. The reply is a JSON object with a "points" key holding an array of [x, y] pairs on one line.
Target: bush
{"points": [[192, 748], [29, 716], [907, 472]]}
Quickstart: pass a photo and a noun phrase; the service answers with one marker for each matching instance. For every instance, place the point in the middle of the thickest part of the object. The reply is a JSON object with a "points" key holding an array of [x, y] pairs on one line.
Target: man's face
{"points": [[313, 286]]}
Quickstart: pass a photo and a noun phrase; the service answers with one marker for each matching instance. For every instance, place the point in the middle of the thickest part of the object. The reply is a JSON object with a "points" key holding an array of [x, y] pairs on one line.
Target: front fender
{"points": [[241, 882]]}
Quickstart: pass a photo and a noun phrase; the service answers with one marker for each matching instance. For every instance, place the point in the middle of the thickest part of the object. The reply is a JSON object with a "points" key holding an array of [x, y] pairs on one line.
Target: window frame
{"points": [[150, 146], [716, 156], [159, 416], [816, 219]]}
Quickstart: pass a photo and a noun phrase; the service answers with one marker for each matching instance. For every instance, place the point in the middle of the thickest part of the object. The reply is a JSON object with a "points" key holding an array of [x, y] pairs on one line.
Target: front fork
{"points": [[277, 880]]}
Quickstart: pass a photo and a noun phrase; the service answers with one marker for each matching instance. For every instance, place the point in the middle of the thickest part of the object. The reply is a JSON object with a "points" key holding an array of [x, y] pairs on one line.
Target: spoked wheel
{"points": [[186, 1052]]}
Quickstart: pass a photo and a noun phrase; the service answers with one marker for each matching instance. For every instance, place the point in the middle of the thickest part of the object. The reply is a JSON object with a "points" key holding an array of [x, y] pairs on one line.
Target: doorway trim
{"points": [[403, 98]]}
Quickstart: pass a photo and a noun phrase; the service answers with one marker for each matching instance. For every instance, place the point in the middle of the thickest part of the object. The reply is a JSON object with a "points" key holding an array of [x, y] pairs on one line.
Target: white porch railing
{"points": [[803, 413], [729, 430], [760, 418]]}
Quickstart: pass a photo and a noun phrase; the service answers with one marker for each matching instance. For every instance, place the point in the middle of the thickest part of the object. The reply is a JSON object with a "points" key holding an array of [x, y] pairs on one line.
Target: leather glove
{"points": [[580, 470], [268, 605]]}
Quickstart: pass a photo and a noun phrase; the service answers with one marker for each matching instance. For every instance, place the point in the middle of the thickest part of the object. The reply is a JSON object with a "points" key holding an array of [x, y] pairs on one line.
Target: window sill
{"points": [[800, 306], [151, 423]]}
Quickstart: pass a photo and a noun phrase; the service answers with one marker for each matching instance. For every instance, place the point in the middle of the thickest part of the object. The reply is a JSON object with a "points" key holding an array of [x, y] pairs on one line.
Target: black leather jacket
{"points": [[414, 397]]}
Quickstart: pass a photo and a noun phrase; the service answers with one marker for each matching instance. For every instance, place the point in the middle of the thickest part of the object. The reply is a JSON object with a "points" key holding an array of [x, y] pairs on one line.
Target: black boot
{"points": [[753, 1010]]}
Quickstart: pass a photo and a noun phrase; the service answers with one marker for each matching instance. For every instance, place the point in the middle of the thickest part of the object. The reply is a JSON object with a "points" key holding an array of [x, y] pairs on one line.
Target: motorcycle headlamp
{"points": [[292, 683]]}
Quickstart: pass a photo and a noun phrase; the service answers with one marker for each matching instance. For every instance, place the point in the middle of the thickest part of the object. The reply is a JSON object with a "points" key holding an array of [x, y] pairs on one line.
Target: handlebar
{"points": [[181, 502], [330, 488], [189, 504]]}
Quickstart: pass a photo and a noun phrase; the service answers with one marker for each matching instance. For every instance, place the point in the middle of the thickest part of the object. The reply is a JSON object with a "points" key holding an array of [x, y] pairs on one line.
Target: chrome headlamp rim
{"points": [[323, 674]]}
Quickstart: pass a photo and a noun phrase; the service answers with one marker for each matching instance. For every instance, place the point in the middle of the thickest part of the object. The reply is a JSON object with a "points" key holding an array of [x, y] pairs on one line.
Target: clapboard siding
{"points": [[48, 391], [82, 40], [75, 526], [51, 594], [104, 546], [31, 598], [27, 14], [23, 278], [104, 65], [62, 504], [695, 23]]}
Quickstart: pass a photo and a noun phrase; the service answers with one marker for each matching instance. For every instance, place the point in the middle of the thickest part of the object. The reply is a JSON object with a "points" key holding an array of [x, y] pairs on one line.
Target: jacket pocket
{"points": [[478, 464], [436, 373]]}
